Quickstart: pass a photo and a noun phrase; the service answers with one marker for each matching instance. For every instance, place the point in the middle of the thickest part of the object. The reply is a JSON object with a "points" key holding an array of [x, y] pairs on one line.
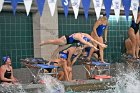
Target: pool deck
{"points": [[86, 85], [79, 85]]}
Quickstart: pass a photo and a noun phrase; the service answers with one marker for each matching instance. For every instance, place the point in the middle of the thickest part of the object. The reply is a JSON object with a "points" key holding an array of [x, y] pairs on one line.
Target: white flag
{"points": [[97, 7], [1, 4], [75, 6], [28, 4], [134, 6], [117, 5], [52, 4]]}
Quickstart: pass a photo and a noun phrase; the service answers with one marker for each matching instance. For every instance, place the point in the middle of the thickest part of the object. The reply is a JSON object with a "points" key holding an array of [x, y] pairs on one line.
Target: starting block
{"points": [[47, 67], [41, 66], [98, 69]]}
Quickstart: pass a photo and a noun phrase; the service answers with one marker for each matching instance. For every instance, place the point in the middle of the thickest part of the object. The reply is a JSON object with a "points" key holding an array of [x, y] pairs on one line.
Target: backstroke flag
{"points": [[75, 6], [107, 4], [134, 6], [126, 5], [40, 4], [65, 4], [1, 4], [117, 5], [97, 7], [86, 5], [28, 4], [14, 5], [52, 4]]}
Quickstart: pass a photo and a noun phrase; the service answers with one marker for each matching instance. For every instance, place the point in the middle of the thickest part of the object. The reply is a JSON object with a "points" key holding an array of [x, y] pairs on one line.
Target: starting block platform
{"points": [[41, 66], [45, 66], [98, 69]]}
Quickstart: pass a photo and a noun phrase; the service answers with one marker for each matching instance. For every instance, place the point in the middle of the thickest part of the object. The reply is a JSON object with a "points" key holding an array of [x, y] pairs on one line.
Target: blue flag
{"points": [[86, 5], [40, 4], [107, 4], [65, 4], [14, 5], [126, 5]]}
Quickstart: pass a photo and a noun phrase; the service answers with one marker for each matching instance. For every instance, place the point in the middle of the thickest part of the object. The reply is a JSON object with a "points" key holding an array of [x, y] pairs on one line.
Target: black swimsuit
{"points": [[7, 75], [135, 26], [70, 39]]}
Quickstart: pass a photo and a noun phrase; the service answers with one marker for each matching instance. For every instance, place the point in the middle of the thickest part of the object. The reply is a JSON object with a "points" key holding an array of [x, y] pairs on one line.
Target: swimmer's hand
{"points": [[42, 43], [96, 49], [104, 45]]}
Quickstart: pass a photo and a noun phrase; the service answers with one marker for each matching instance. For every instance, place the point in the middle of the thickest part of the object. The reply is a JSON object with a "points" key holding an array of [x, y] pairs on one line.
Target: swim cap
{"points": [[5, 58], [64, 56]]}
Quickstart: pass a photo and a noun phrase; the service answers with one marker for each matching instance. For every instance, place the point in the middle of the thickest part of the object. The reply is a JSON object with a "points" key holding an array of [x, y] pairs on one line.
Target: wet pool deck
{"points": [[86, 85], [79, 85]]}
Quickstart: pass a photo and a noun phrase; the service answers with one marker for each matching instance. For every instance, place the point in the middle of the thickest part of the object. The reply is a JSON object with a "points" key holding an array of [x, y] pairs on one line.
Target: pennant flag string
{"points": [[86, 5], [28, 4], [97, 7], [52, 4], [75, 6], [14, 5], [1, 4], [134, 6], [107, 4], [65, 4], [117, 6], [126, 5], [40, 4]]}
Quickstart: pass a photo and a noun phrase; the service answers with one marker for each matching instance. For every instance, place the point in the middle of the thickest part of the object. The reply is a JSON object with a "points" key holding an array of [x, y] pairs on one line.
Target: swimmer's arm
{"points": [[74, 60], [69, 56], [56, 51], [106, 32], [97, 23]]}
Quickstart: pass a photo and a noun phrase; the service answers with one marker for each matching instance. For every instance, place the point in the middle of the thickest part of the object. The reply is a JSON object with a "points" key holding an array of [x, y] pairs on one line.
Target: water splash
{"points": [[52, 85], [11, 88], [127, 83]]}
